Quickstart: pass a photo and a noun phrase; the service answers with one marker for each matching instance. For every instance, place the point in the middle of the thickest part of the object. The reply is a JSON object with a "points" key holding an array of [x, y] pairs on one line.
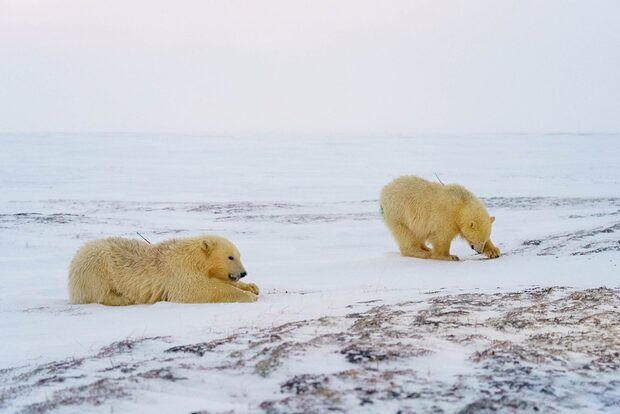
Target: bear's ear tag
{"points": [[492, 219]]}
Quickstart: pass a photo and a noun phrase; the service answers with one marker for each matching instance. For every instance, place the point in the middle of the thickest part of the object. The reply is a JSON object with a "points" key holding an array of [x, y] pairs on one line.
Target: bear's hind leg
{"points": [[112, 299], [441, 249], [415, 252], [408, 244]]}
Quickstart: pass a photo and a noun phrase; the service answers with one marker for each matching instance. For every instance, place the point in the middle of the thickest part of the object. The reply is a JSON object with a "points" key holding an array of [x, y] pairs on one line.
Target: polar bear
{"points": [[418, 211], [119, 271]]}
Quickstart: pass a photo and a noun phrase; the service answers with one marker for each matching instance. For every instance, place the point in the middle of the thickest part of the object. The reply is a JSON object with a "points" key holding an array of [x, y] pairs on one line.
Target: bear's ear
{"points": [[207, 246], [472, 224], [492, 219]]}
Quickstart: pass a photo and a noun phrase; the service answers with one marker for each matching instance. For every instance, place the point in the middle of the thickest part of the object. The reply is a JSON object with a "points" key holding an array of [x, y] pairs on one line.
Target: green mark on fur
{"points": [[382, 214]]}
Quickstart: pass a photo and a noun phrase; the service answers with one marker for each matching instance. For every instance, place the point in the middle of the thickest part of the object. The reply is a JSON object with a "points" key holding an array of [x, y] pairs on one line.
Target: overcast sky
{"points": [[310, 66]]}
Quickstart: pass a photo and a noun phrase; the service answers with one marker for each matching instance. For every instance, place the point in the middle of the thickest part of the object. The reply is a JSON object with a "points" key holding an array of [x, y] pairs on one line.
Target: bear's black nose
{"points": [[243, 274]]}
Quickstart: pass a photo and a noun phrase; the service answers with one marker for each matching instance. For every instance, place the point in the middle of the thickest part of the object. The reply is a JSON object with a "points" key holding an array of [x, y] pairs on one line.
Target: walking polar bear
{"points": [[418, 211], [118, 271]]}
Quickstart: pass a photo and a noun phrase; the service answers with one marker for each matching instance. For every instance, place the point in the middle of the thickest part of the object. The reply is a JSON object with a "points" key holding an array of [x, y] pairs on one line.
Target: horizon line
{"points": [[306, 133]]}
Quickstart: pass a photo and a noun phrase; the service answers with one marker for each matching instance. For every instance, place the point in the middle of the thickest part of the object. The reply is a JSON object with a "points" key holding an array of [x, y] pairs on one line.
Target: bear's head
{"points": [[475, 224], [219, 258]]}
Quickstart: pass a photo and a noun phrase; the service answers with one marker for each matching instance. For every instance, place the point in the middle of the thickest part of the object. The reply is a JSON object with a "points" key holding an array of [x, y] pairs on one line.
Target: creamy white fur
{"points": [[418, 211], [119, 271]]}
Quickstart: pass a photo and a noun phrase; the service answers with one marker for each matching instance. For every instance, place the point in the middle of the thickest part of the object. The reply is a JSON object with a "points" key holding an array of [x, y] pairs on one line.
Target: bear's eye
{"points": [[231, 258]]}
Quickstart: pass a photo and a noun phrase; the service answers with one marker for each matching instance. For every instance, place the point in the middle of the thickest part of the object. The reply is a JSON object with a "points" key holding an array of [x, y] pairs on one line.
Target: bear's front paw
{"points": [[491, 252], [251, 287], [454, 258]]}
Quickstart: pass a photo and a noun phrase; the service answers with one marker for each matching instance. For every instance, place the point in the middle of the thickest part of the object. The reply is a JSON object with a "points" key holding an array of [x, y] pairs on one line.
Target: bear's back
{"points": [[408, 189]]}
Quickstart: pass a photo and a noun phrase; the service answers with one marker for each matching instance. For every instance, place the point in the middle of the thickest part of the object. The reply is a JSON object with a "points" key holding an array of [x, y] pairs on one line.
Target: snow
{"points": [[303, 211]]}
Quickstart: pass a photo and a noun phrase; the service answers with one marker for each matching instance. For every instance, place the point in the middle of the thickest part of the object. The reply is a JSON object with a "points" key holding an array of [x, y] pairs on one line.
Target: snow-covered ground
{"points": [[343, 322]]}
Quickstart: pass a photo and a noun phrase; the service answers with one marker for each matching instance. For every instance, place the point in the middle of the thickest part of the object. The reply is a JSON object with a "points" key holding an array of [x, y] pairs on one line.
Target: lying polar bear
{"points": [[118, 271]]}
